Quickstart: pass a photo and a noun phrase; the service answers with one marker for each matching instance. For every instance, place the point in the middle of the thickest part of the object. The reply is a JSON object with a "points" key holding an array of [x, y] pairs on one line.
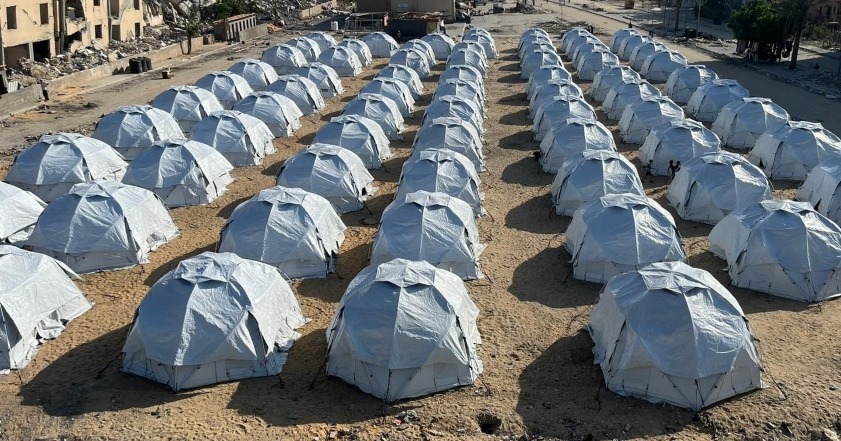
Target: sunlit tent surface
{"points": [[131, 129]]}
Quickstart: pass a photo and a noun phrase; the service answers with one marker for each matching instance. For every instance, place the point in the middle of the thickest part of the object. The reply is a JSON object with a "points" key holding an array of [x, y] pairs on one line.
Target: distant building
{"points": [[446, 7], [826, 11]]}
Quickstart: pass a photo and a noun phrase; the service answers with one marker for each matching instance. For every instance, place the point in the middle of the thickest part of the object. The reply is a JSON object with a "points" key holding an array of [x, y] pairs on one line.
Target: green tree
{"points": [[759, 20], [229, 8]]}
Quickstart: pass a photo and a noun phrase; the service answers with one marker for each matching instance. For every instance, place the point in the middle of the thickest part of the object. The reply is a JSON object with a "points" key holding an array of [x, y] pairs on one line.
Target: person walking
{"points": [[45, 89], [648, 173], [671, 168]]}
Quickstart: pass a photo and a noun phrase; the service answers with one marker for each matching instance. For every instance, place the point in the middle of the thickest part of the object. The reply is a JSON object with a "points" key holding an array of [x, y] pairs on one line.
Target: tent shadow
{"points": [[331, 289], [169, 265], [328, 116], [72, 385], [225, 212], [390, 171], [518, 118], [546, 278], [513, 78], [515, 99], [536, 215], [510, 67], [521, 140], [526, 172], [273, 169]]}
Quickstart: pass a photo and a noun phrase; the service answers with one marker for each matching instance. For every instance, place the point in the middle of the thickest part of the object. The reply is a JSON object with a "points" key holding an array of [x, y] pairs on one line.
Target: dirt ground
{"points": [[539, 379]]}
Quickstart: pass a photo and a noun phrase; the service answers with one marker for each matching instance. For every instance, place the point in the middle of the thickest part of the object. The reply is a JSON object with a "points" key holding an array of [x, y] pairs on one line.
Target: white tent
{"points": [[395, 89], [626, 94], [783, 248], [469, 57], [626, 49], [590, 175], [710, 98], [343, 60], [795, 148], [405, 74], [323, 39], [593, 62], [740, 123], [242, 139], [423, 47], [300, 90], [608, 78], [453, 134], [485, 40], [414, 59], [472, 46], [641, 53], [618, 233], [543, 44], [37, 300], [360, 135], [309, 47], [583, 50], [181, 172], [431, 227], [359, 48], [670, 333], [284, 58], [464, 89], [280, 114], [54, 164], [380, 44], [226, 86], [570, 47], [404, 329], [442, 44], [639, 118], [21, 210], [130, 129], [296, 231], [821, 189], [557, 111], [464, 72], [453, 106], [187, 104], [324, 77], [532, 33], [619, 37], [571, 137], [214, 318], [442, 170], [381, 109], [571, 35], [545, 74], [678, 140], [103, 226], [684, 81], [258, 74], [546, 93], [332, 172], [711, 186], [659, 65]]}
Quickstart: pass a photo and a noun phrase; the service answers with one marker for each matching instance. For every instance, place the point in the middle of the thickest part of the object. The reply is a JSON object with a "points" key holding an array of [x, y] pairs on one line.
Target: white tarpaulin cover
{"points": [[442, 44], [608, 78], [226, 86], [360, 135], [324, 76], [795, 148], [404, 329], [821, 189], [626, 94], [710, 98], [359, 48], [571, 137], [323, 39], [545, 74], [783, 248], [214, 318], [740, 123], [547, 92], [258, 74], [187, 104], [332, 172], [242, 139], [558, 110], [342, 59], [54, 164], [583, 50], [284, 58], [642, 52], [431, 227], [593, 62], [670, 333], [37, 299], [451, 133], [572, 35], [472, 46], [395, 89], [571, 46], [484, 39], [21, 210], [464, 89], [535, 59], [381, 109], [471, 58], [619, 37], [181, 172], [678, 140], [302, 91], [441, 170], [684, 81], [405, 74], [422, 46], [130, 129], [618, 233], [626, 49], [590, 175], [711, 186], [415, 59], [659, 65], [380, 44], [280, 114], [639, 118], [453, 106], [543, 43], [464, 72], [289, 228], [309, 47], [103, 226]]}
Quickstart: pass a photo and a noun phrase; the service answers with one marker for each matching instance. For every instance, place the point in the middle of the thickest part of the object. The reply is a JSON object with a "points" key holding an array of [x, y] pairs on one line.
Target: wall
{"points": [[373, 5], [29, 27], [317, 9], [254, 32], [128, 16], [446, 6]]}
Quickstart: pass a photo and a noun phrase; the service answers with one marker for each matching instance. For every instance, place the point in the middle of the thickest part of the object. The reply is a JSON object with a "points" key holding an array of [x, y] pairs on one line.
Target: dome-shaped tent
{"points": [[404, 329], [242, 139], [181, 172], [619, 37], [464, 89], [571, 137], [672, 333], [381, 109], [590, 175], [405, 74], [187, 104], [678, 140], [684, 81], [560, 109], [570, 47], [659, 65], [413, 59], [709, 99], [226, 86], [431, 227], [441, 170], [309, 47], [302, 91], [54, 164], [103, 226], [280, 114], [625, 94], [37, 300], [214, 318], [380, 44], [258, 74], [361, 135], [485, 40], [642, 52], [395, 89], [626, 49], [332, 172], [546, 93], [453, 134], [296, 231], [571, 35], [423, 47], [342, 59], [618, 233], [822, 188], [542, 44], [639, 118], [21, 210], [470, 58], [584, 49], [359, 48], [453, 106], [783, 248], [323, 39], [543, 75], [472, 46], [442, 44], [324, 77], [130, 129], [593, 62], [711, 186], [608, 78], [284, 58], [795, 148], [742, 122], [463, 72]]}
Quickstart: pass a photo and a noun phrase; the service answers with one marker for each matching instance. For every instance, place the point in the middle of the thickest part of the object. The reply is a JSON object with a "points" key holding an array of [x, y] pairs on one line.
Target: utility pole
{"points": [[698, 25]]}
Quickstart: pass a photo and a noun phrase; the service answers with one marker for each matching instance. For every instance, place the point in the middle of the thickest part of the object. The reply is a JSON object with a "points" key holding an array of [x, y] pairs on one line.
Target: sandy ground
{"points": [[539, 378]]}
